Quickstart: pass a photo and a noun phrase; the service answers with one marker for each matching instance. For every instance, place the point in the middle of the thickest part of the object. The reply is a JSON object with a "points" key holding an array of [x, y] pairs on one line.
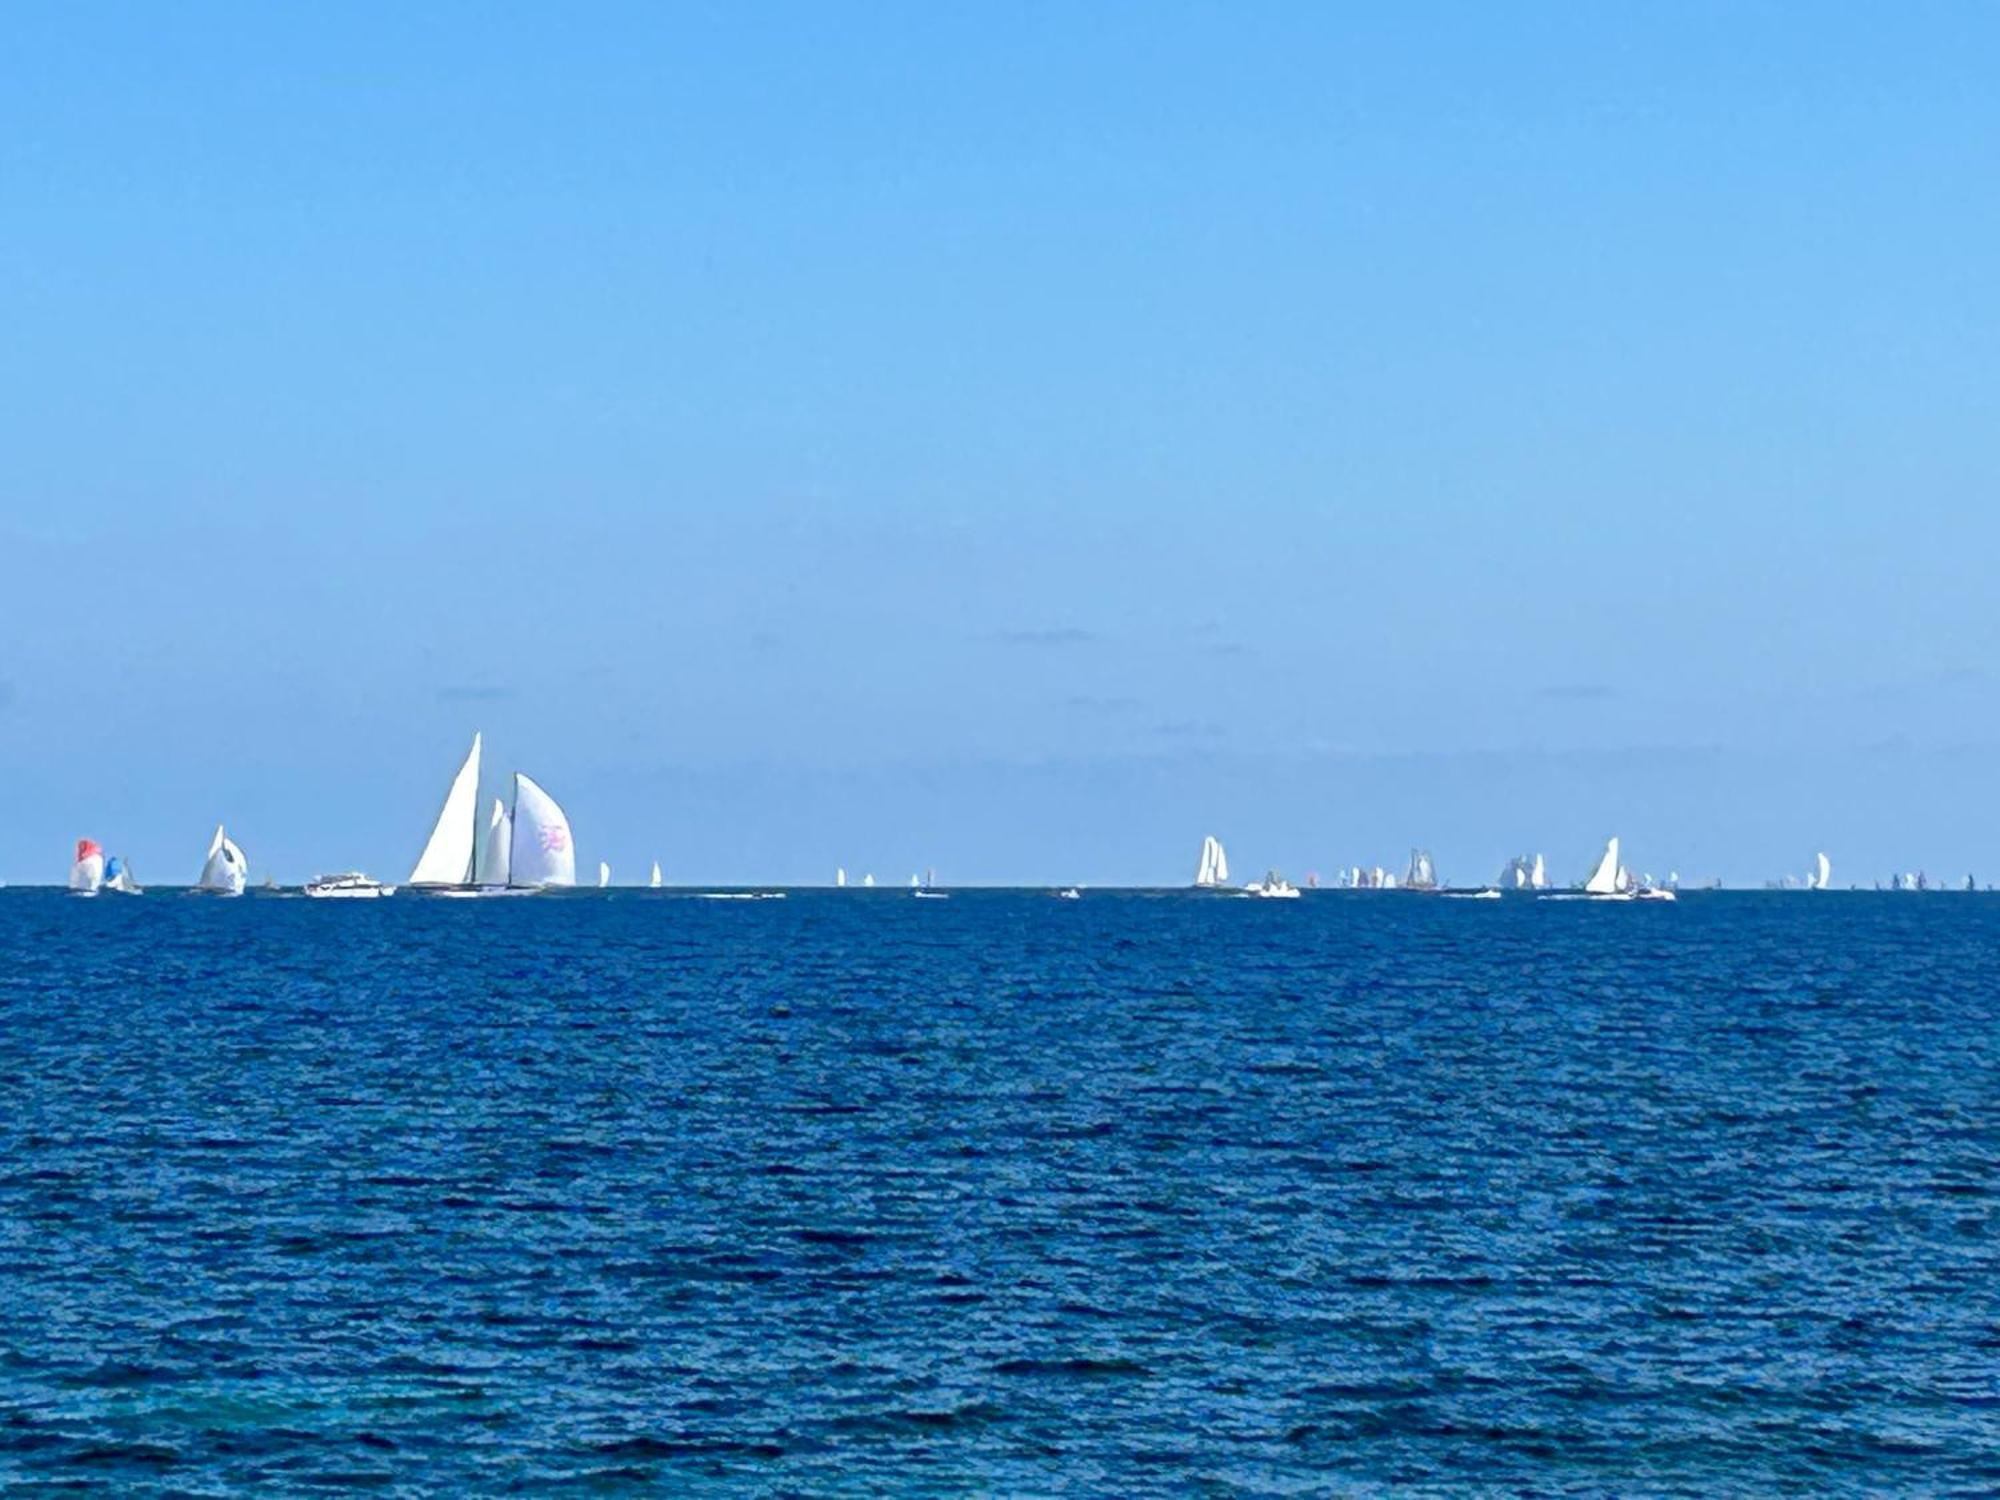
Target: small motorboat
{"points": [[1272, 887]]}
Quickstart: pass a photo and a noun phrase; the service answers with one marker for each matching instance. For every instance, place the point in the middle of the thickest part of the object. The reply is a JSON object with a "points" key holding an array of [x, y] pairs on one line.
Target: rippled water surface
{"points": [[857, 1194]]}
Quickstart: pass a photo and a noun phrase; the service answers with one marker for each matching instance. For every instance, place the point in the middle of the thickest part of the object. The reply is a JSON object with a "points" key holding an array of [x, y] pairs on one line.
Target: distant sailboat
{"points": [[1422, 872], [839, 878], [603, 874], [447, 859], [868, 882], [226, 870], [1538, 877], [1822, 873], [1604, 880], [928, 889], [654, 881], [118, 877], [86, 873], [1214, 868]]}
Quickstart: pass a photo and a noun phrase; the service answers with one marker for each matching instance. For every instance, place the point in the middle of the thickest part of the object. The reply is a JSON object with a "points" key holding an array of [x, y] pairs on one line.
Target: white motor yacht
{"points": [[351, 885]]}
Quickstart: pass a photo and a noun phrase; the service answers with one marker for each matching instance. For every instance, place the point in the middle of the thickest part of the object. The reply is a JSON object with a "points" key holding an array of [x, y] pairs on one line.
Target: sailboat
{"points": [[527, 847], [86, 873], [118, 877], [1538, 877], [447, 861], [654, 882], [1422, 872], [603, 874], [1607, 882], [1214, 868], [868, 882], [928, 891], [840, 878], [1822, 873], [225, 870]]}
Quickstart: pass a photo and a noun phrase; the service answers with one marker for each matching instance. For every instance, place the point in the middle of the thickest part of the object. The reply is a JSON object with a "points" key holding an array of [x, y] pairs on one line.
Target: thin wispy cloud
{"points": [[1189, 729], [1048, 635]]}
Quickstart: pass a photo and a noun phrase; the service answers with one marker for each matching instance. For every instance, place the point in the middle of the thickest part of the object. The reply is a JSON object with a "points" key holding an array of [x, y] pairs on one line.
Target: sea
{"points": [[1140, 1194]]}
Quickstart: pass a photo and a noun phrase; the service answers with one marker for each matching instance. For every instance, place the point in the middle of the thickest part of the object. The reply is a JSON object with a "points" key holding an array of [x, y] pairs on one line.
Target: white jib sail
{"points": [[1538, 877], [225, 870], [447, 858], [543, 851], [1822, 872], [1604, 879], [603, 874], [654, 882], [840, 877], [496, 859]]}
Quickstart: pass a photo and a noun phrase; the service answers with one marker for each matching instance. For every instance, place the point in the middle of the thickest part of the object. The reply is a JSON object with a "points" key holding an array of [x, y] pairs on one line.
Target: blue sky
{"points": [[1018, 439]]}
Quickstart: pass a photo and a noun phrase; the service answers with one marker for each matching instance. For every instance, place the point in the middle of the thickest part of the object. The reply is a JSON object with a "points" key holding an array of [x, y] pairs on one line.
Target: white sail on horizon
{"points": [[225, 869], [654, 881], [448, 855], [1214, 867], [1603, 880], [840, 876], [496, 860], [603, 874], [543, 852], [1822, 873]]}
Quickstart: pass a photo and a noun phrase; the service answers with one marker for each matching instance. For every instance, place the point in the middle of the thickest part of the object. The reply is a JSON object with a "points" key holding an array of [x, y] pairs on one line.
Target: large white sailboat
{"points": [[226, 870], [1214, 868], [528, 846], [1821, 874]]}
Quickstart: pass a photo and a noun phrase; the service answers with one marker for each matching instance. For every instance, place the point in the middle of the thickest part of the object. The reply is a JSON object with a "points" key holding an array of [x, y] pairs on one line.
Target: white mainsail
{"points": [[868, 882], [1822, 872], [1214, 867], [447, 858], [543, 853], [840, 876], [1604, 879], [496, 859], [655, 881], [1538, 877], [226, 869], [603, 874]]}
